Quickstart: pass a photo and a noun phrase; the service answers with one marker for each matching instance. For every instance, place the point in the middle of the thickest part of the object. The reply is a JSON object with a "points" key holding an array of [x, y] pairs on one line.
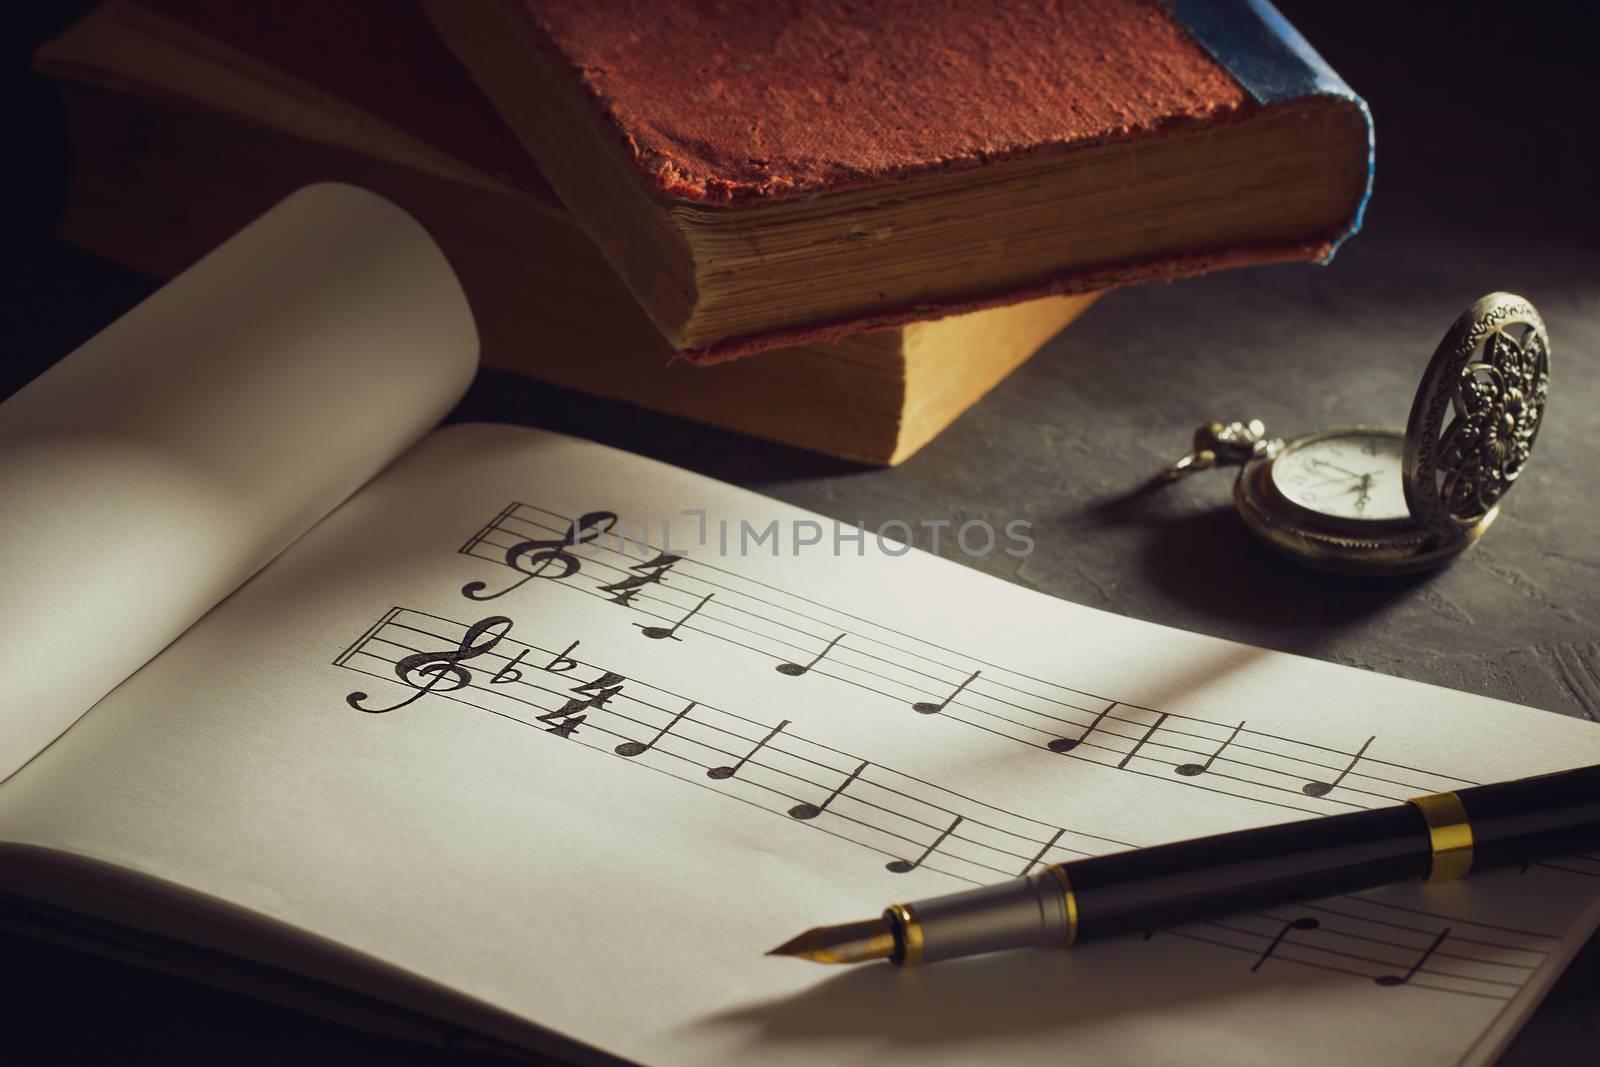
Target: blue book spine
{"points": [[1268, 57]]}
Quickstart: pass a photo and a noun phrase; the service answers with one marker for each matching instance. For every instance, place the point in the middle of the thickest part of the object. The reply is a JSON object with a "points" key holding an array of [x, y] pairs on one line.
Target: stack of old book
{"points": [[833, 225]]}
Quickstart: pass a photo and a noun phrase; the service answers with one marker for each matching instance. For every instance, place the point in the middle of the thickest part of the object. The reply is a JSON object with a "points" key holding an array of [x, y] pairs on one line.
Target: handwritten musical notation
{"points": [[1391, 947], [795, 670], [1067, 744], [1305, 922], [1322, 789], [544, 557], [426, 672], [907, 866], [807, 810], [685, 598], [724, 772], [670, 633], [639, 748], [913, 824], [1417, 964], [928, 707], [1189, 770]]}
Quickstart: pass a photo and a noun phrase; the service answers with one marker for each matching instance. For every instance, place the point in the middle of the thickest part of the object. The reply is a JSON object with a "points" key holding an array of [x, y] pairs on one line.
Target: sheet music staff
{"points": [[691, 598], [912, 824]]}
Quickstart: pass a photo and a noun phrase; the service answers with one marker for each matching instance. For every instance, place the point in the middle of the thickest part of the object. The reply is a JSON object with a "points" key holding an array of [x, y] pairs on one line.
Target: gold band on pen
{"points": [[1449, 835], [911, 935], [1071, 900]]}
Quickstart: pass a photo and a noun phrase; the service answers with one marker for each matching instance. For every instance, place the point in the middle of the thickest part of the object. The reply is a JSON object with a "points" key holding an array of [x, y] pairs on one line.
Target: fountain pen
{"points": [[1436, 838]]}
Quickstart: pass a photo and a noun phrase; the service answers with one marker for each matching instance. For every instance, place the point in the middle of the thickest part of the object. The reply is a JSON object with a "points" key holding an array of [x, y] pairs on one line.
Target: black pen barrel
{"points": [[1129, 892], [1531, 818]]}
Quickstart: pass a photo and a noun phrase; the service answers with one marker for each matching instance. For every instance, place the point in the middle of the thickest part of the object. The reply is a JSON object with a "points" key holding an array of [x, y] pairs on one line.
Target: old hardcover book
{"points": [[766, 173], [189, 119], [492, 729]]}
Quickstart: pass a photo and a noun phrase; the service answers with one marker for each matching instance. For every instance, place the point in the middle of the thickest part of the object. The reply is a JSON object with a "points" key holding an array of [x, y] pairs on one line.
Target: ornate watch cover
{"points": [[1476, 415]]}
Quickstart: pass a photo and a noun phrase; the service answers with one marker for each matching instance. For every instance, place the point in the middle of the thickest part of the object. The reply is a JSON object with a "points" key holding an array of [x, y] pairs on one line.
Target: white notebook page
{"points": [[595, 796], [149, 473]]}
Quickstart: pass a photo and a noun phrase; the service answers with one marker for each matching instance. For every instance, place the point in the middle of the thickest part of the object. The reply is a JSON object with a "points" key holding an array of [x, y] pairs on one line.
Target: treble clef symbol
{"points": [[547, 557], [429, 671]]}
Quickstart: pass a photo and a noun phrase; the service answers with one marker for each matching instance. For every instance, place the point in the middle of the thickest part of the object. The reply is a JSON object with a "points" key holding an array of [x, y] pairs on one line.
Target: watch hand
{"points": [[1333, 466], [1326, 481]]}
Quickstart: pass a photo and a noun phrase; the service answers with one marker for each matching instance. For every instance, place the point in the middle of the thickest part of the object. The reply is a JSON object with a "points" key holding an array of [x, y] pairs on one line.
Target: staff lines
{"points": [[1365, 959], [664, 588], [771, 747], [1328, 967], [1083, 743], [1128, 756], [624, 694], [752, 763], [701, 766], [930, 858], [1569, 870], [1353, 772], [1590, 870], [1064, 721], [925, 864], [1453, 920], [1422, 930], [691, 781], [1438, 954], [509, 513]]}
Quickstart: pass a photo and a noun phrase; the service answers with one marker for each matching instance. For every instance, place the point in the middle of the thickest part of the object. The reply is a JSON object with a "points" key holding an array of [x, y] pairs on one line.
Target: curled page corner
{"points": [[152, 471]]}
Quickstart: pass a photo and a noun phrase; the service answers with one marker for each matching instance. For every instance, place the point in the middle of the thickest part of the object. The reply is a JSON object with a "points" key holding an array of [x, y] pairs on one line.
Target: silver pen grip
{"points": [[1037, 910]]}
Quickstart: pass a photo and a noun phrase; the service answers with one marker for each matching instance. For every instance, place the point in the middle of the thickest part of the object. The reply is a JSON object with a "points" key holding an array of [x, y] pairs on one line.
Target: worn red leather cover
{"points": [[729, 102], [738, 102]]}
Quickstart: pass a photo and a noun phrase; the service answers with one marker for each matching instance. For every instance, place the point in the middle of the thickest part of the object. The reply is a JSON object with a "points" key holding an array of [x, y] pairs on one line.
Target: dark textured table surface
{"points": [[1484, 184]]}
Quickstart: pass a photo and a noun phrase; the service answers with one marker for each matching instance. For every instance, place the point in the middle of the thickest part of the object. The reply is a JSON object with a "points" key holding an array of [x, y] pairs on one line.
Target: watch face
{"points": [[1348, 475]]}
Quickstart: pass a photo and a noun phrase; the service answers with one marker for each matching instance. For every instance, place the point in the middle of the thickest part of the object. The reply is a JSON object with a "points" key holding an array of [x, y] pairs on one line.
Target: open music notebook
{"points": [[479, 741]]}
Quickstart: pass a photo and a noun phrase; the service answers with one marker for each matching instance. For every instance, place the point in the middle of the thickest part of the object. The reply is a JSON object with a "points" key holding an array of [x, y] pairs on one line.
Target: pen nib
{"points": [[857, 942]]}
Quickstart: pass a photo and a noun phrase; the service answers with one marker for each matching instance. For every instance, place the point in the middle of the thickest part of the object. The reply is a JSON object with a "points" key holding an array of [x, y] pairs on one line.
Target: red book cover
{"points": [[737, 102], [1161, 139]]}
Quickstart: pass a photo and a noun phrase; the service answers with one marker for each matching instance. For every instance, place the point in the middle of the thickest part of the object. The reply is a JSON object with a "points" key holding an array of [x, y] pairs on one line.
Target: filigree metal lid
{"points": [[1477, 413]]}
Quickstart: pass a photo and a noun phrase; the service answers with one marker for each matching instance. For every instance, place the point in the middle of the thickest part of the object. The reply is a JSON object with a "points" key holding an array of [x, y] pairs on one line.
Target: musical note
{"points": [[1303, 923], [1048, 845], [435, 667], [923, 707], [1189, 770], [536, 556], [1397, 979], [657, 633], [639, 748], [650, 572], [806, 810], [795, 670], [1147, 735], [1322, 789], [1067, 744], [719, 773], [905, 866], [993, 843]]}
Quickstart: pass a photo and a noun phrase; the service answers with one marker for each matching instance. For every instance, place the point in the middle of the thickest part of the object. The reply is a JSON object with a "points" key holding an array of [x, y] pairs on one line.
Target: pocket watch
{"points": [[1373, 500]]}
